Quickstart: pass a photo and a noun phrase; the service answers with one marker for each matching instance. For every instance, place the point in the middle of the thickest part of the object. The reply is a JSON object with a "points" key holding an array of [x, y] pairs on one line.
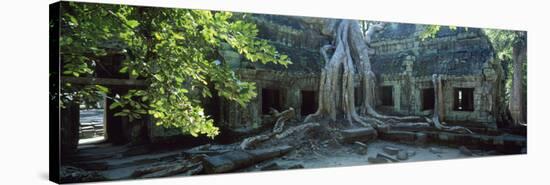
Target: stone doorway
{"points": [[309, 103], [428, 99], [271, 98]]}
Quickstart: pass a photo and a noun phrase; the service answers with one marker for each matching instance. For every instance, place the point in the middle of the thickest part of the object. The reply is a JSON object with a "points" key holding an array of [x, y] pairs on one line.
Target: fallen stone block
{"points": [[358, 134], [377, 160], [402, 155], [391, 150], [241, 158], [436, 150], [381, 155]]}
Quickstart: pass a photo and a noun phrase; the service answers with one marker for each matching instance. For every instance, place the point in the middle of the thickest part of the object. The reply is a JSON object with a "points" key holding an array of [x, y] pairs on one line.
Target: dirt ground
{"points": [[349, 155]]}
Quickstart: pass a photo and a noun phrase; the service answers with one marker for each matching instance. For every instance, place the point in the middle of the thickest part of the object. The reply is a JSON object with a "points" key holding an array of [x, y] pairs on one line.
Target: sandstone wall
{"points": [[463, 58]]}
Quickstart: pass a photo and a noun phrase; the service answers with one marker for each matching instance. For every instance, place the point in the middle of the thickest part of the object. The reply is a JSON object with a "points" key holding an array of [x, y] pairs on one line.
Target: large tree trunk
{"points": [[336, 90], [517, 100]]}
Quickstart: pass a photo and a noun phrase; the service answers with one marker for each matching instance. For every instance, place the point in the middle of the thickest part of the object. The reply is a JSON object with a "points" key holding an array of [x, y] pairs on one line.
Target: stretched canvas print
{"points": [[143, 92]]}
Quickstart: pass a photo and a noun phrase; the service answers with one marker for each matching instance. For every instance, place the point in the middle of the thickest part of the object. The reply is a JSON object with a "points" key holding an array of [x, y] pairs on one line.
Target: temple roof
{"points": [[458, 51], [452, 52]]}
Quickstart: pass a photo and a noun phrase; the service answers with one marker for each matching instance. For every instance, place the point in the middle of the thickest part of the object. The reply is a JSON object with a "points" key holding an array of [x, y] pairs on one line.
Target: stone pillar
{"points": [[294, 100], [70, 122], [253, 111], [113, 124]]}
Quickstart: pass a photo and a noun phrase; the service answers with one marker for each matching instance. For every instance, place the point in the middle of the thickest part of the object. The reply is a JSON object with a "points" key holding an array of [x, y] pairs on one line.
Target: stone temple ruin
{"points": [[403, 63], [404, 66]]}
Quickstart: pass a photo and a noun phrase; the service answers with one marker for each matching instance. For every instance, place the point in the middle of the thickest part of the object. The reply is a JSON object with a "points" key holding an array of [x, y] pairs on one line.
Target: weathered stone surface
{"points": [[92, 166], [296, 166], [502, 143], [271, 166], [391, 150], [421, 138], [377, 160], [411, 153], [465, 151], [404, 62], [399, 136], [420, 126], [71, 174], [436, 150], [362, 148], [382, 155], [402, 155], [241, 158], [358, 134]]}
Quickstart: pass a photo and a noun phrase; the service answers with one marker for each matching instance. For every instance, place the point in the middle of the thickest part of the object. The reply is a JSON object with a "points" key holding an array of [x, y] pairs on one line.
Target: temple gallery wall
{"points": [[404, 66]]}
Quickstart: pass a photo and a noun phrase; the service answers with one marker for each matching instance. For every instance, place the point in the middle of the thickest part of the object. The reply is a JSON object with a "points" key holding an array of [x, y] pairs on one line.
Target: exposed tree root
{"points": [[282, 118], [277, 132]]}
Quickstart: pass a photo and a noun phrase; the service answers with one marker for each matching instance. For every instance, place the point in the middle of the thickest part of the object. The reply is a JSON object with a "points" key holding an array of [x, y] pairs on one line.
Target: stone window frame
{"points": [[471, 92]]}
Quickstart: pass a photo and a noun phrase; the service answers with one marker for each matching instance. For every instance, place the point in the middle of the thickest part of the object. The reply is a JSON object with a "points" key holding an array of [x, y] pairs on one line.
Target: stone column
{"points": [[70, 122], [294, 100]]}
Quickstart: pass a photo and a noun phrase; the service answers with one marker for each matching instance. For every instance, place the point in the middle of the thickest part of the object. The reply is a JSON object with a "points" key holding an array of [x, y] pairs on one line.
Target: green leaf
{"points": [[178, 36], [123, 69], [114, 105], [121, 114], [101, 88], [72, 19], [134, 73], [132, 23]]}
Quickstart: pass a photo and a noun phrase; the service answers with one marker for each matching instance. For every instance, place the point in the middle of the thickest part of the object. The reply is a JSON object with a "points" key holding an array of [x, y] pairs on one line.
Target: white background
{"points": [[24, 91]]}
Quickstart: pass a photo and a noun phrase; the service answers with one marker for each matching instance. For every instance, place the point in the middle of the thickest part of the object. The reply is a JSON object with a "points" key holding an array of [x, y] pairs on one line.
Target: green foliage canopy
{"points": [[174, 50]]}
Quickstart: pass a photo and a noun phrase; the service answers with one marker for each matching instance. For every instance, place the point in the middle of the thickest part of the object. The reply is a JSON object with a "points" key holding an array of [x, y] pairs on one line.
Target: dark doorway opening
{"points": [[309, 102], [464, 99], [428, 99], [271, 98], [213, 105], [386, 95]]}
